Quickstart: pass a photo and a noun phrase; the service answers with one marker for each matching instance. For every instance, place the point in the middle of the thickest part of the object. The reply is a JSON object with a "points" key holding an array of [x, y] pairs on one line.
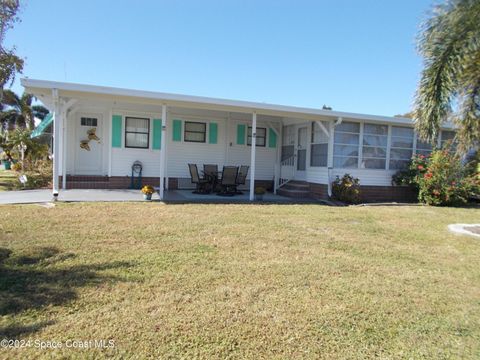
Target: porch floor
{"points": [[119, 195]]}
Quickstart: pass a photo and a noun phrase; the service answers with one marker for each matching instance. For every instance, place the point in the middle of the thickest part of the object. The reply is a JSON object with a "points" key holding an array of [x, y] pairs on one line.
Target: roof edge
{"points": [[161, 96]]}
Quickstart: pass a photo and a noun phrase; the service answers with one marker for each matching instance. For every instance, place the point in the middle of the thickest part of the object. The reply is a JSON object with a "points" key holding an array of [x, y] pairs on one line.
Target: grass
{"points": [[240, 281], [7, 180]]}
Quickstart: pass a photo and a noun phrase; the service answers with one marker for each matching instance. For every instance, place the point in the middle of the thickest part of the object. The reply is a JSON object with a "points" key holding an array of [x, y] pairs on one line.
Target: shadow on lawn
{"points": [[31, 282]]}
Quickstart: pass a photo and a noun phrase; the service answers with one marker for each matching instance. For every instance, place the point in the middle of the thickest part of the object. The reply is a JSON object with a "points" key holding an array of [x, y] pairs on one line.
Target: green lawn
{"points": [[7, 180], [240, 281]]}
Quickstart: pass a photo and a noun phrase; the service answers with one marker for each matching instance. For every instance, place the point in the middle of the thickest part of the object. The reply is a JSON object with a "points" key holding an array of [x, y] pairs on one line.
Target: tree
{"points": [[18, 112], [10, 63], [449, 88]]}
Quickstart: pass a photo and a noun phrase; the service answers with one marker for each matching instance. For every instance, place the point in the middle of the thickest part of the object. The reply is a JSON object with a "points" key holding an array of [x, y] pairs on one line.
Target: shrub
{"points": [[346, 189], [440, 179], [39, 177], [17, 167], [445, 181]]}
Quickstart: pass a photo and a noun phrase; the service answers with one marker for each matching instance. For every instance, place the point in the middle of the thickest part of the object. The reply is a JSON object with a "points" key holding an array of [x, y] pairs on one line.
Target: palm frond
{"points": [[448, 39]]}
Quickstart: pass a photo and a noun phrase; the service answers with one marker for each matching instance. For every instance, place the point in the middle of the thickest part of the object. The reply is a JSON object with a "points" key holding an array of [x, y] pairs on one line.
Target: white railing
{"points": [[287, 171]]}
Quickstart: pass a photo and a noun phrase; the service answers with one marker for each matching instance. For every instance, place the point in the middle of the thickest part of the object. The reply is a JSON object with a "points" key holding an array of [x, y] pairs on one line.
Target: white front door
{"points": [[88, 144], [301, 153]]}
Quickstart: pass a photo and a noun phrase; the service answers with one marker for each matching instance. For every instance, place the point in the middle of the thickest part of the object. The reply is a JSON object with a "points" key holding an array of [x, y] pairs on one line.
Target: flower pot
{"points": [[7, 164], [147, 196]]}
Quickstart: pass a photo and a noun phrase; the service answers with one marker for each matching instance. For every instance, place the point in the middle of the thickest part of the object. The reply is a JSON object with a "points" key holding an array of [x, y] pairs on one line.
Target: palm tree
{"points": [[449, 88], [18, 112]]}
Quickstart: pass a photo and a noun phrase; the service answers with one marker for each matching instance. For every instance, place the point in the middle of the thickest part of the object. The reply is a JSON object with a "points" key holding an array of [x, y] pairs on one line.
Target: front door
{"points": [[88, 144], [301, 152]]}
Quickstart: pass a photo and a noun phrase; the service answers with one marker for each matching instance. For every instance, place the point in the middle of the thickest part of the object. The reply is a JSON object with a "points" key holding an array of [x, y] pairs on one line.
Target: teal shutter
{"points": [[116, 131], [157, 134], [240, 134], [272, 138], [212, 133], [177, 130]]}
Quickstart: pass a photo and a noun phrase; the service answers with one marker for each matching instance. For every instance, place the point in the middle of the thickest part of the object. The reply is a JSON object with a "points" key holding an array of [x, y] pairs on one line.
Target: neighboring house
{"points": [[165, 132]]}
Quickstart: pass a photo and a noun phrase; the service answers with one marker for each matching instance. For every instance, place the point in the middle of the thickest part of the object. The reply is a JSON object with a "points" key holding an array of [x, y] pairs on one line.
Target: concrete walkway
{"points": [[121, 195], [45, 195]]}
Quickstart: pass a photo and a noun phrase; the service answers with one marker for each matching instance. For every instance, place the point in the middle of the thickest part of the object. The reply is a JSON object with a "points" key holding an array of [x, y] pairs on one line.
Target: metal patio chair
{"points": [[229, 181], [242, 176], [202, 185]]}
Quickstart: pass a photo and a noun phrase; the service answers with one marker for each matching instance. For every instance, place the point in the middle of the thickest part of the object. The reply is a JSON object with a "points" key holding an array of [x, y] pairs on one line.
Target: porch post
{"points": [[162, 150], [252, 156], [57, 120], [278, 159], [64, 150]]}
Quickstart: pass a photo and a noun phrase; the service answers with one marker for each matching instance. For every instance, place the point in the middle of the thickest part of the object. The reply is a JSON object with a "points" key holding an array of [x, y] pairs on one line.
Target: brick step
{"points": [[291, 185], [88, 184], [87, 178], [297, 194]]}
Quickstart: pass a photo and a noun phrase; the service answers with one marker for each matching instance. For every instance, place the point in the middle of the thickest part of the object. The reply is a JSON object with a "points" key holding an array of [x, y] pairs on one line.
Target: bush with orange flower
{"points": [[440, 178]]}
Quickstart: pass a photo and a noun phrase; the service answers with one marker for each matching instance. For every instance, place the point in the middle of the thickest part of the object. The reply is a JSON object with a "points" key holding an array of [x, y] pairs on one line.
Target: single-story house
{"points": [[297, 151]]}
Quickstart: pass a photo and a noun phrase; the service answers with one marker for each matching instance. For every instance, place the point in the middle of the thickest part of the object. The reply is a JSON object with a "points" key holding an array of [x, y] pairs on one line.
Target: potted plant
{"points": [[147, 191], [259, 192]]}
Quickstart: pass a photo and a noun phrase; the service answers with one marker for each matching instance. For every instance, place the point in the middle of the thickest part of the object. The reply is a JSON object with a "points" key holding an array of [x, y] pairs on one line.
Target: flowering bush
{"points": [[440, 179], [148, 190], [346, 189]]}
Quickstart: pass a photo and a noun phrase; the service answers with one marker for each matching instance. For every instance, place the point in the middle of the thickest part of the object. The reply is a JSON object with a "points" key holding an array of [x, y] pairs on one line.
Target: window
{"points": [[346, 142], [319, 147], [137, 131], [288, 141], [261, 136], [448, 136], [195, 132], [401, 147], [88, 121], [374, 152], [423, 147]]}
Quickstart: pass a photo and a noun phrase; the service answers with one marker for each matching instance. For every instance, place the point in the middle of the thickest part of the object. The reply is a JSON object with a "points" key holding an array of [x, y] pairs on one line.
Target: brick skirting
{"points": [[317, 191], [124, 182], [369, 194]]}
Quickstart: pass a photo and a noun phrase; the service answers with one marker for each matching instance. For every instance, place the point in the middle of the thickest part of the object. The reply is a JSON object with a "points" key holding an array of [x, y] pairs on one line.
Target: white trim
{"points": [[109, 129], [57, 119], [323, 128], [38, 87], [253, 149], [163, 151]]}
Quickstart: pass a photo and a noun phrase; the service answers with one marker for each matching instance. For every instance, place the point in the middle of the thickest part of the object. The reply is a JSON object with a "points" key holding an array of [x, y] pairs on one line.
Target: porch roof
{"points": [[43, 90]]}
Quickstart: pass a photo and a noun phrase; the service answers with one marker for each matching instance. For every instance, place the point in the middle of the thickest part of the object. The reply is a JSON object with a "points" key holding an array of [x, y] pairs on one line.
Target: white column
{"points": [[163, 147], [278, 158], [57, 120], [64, 150], [252, 156]]}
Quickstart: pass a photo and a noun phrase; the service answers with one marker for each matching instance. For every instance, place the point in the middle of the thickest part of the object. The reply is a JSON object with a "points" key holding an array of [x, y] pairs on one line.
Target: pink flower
{"points": [[420, 167]]}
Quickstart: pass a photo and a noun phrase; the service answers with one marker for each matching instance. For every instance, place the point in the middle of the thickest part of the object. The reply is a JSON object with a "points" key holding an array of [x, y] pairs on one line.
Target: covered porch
{"points": [[274, 141]]}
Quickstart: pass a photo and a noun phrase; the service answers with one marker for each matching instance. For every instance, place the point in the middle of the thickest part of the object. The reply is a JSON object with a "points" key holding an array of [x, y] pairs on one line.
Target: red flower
{"points": [[420, 167], [428, 175]]}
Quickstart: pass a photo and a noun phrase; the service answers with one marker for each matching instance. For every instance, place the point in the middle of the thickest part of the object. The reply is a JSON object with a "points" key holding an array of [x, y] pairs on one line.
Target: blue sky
{"points": [[353, 55]]}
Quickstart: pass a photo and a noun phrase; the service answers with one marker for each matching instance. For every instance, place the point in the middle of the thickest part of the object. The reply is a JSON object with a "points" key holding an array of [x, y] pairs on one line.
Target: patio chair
{"points": [[202, 185], [242, 176], [229, 181], [210, 172]]}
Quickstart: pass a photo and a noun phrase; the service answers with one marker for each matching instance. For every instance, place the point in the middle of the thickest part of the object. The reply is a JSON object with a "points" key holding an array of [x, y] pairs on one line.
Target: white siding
{"points": [[181, 153], [240, 154]]}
